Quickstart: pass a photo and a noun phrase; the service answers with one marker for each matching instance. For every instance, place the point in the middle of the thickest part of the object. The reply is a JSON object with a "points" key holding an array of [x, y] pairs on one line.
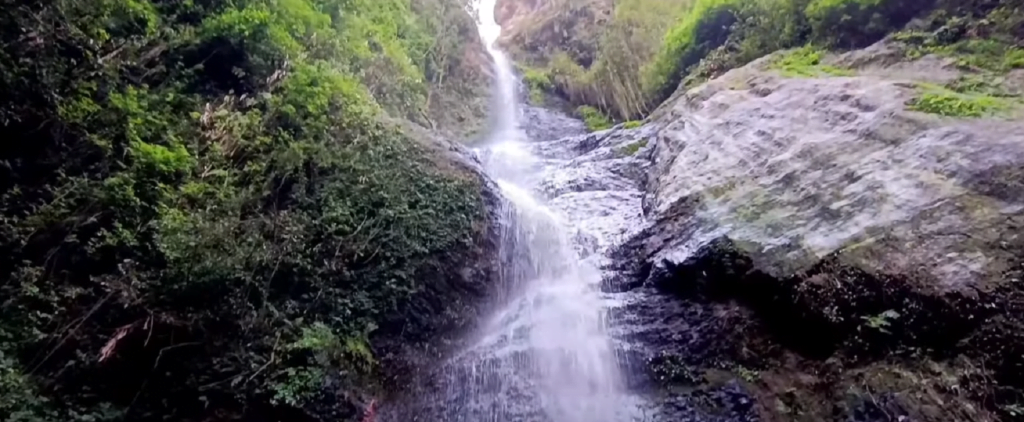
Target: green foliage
{"points": [[18, 396], [632, 124], [988, 54], [538, 83], [594, 118], [651, 48], [1013, 59], [628, 41], [806, 62], [752, 29], [882, 321], [747, 374], [845, 22], [944, 102], [980, 84], [672, 369], [200, 209], [296, 386], [632, 148], [705, 27]]}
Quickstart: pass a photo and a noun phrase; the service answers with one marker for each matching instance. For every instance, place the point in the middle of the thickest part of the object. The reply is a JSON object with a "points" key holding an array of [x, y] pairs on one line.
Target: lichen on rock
{"points": [[835, 239]]}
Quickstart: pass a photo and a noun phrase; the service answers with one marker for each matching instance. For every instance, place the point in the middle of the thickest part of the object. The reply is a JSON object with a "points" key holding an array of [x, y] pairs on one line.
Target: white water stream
{"points": [[546, 356]]}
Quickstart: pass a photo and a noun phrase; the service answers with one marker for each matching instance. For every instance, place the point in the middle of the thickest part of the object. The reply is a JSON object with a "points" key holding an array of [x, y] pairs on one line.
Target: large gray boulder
{"points": [[839, 255], [794, 170]]}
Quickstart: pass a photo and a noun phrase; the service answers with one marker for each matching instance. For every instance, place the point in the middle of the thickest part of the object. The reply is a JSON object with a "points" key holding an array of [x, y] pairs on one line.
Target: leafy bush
{"points": [[537, 83], [857, 23], [706, 26], [630, 39], [635, 70], [201, 211], [594, 118]]}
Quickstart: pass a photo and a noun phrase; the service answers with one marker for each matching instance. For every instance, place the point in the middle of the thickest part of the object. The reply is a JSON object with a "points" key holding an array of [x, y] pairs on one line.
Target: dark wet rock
{"points": [[884, 408], [545, 125], [810, 170], [441, 314], [829, 249]]}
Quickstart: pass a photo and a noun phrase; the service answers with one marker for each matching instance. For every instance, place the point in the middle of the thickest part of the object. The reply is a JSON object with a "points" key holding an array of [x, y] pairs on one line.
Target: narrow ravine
{"points": [[545, 354], [758, 249], [557, 320]]}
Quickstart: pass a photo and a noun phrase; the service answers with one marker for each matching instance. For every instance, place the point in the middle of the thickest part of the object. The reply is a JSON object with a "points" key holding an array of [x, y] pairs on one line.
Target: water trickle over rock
{"points": [[544, 354], [803, 229]]}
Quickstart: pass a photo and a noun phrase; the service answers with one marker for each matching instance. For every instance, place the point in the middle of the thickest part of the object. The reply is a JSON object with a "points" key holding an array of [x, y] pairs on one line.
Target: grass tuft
{"points": [[594, 118], [538, 82], [805, 62], [632, 148], [946, 102], [977, 54]]}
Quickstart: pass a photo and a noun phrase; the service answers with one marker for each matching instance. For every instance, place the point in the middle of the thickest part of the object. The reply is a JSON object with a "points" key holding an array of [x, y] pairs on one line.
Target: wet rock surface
{"points": [[596, 181], [837, 256], [799, 250]]}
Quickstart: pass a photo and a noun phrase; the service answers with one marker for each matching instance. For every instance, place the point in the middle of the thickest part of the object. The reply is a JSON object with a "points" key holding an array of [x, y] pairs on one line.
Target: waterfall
{"points": [[544, 355], [504, 110], [572, 374]]}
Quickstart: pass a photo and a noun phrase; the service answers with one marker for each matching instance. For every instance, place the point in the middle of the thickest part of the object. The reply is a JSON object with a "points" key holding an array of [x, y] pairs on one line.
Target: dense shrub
{"points": [[706, 26], [201, 213], [857, 23], [594, 118], [635, 71], [538, 83]]}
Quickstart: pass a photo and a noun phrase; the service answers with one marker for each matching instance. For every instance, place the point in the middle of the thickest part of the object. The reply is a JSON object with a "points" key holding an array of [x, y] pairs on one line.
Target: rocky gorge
{"points": [[805, 245], [264, 210]]}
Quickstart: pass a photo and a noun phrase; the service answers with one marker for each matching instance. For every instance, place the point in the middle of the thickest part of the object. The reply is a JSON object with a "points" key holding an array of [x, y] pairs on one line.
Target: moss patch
{"points": [[991, 54], [538, 83], [946, 102], [632, 148], [594, 118], [806, 62], [632, 124], [981, 84]]}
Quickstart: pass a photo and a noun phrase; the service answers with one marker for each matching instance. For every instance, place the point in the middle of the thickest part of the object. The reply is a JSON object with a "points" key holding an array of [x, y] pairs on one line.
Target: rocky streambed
{"points": [[804, 248]]}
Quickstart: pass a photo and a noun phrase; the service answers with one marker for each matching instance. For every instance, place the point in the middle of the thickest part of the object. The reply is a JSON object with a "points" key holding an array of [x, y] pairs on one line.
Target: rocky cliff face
{"points": [[819, 251], [535, 30], [458, 98], [457, 102]]}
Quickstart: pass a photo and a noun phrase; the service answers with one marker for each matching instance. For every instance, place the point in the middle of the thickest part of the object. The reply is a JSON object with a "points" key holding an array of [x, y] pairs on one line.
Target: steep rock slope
{"points": [[536, 30], [838, 255], [460, 77]]}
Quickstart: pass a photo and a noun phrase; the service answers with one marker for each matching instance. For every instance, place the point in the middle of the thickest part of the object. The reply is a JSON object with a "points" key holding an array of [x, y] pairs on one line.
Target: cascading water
{"points": [[557, 322], [504, 111], [544, 355]]}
